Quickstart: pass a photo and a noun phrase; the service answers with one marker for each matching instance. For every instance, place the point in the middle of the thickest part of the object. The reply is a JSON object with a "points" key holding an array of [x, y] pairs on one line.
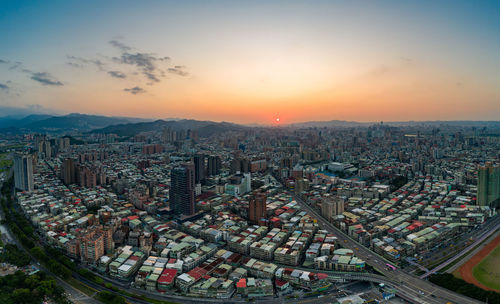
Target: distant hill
{"points": [[129, 126], [328, 124], [20, 122], [65, 123], [204, 128], [435, 123]]}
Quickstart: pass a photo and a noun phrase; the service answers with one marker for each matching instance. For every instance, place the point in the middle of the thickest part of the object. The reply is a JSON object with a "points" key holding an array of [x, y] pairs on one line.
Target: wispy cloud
{"points": [[144, 61], [16, 65], [4, 87], [150, 65], [178, 71], [117, 74], [45, 79], [74, 65], [3, 61], [80, 62], [119, 45], [135, 90]]}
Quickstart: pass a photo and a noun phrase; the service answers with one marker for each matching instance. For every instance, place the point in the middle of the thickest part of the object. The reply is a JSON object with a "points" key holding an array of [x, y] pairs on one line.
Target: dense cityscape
{"points": [[264, 213], [298, 152]]}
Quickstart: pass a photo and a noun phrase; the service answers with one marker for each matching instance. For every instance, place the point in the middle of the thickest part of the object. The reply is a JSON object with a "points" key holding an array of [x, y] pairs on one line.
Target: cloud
{"points": [[74, 64], [143, 61], [117, 74], [15, 66], [178, 71], [3, 61], [45, 79], [148, 64], [3, 86], [80, 62], [135, 90], [119, 45]]}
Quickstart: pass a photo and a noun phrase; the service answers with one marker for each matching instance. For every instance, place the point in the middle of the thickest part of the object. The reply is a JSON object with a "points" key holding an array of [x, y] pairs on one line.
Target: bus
{"points": [[390, 267]]}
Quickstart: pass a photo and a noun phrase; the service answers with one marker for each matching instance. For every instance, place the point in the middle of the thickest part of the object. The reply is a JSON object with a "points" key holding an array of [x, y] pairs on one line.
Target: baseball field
{"points": [[483, 269]]}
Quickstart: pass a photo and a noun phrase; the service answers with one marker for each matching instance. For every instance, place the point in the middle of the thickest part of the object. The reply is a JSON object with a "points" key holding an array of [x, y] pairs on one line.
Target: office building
{"points": [[182, 189], [23, 172]]}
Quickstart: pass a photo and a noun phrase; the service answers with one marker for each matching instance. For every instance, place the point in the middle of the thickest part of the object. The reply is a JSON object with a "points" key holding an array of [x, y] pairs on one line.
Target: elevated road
{"points": [[481, 239], [408, 286]]}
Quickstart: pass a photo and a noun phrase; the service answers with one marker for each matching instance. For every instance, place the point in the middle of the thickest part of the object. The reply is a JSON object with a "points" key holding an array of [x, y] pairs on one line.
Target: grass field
{"points": [[488, 270], [82, 287], [5, 163]]}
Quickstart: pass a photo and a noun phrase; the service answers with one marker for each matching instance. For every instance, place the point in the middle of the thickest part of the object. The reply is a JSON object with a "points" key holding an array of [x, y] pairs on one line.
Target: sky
{"points": [[253, 61]]}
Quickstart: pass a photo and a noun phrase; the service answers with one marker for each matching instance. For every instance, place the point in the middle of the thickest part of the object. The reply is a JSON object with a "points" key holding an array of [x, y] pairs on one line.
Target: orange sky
{"points": [[254, 62]]}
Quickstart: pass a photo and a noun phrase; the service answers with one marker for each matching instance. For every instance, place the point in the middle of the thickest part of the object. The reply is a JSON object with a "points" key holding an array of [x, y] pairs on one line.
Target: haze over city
{"points": [[254, 62]]}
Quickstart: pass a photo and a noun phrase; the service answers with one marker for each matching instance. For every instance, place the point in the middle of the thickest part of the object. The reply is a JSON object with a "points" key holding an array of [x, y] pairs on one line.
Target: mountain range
{"points": [[64, 123], [130, 126], [203, 128]]}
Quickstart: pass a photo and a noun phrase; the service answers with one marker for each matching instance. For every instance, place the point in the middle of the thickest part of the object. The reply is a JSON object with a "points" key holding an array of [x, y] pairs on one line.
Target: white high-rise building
{"points": [[23, 171]]}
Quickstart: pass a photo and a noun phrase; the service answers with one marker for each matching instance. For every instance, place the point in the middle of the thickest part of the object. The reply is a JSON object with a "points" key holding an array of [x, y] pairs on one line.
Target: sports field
{"points": [[483, 269], [488, 270]]}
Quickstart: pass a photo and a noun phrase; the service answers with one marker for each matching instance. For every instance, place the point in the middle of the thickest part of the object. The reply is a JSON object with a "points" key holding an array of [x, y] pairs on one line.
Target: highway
{"points": [[409, 287], [486, 234]]}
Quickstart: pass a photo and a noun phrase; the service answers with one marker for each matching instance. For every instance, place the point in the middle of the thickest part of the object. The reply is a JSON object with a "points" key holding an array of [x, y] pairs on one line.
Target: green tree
{"points": [[23, 296]]}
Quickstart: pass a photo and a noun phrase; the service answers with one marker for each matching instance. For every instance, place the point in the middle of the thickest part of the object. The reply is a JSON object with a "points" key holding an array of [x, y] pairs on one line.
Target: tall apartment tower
{"points": [[68, 171], [44, 149], [257, 207], [92, 245], [214, 165], [182, 189], [199, 168], [331, 206], [488, 185], [23, 171]]}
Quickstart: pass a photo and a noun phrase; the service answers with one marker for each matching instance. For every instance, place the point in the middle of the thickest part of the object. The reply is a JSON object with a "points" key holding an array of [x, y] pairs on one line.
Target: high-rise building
{"points": [[214, 165], [199, 168], [92, 245], [44, 149], [239, 184], [63, 143], [182, 189], [23, 171], [257, 207], [488, 185], [331, 206], [68, 171], [239, 164]]}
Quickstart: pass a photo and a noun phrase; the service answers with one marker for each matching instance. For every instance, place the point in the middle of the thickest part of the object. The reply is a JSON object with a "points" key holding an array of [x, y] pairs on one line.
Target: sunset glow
{"points": [[236, 62]]}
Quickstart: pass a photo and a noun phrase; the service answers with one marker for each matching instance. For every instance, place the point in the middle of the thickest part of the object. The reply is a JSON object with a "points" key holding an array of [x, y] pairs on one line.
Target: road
{"points": [[74, 295], [410, 287], [483, 237]]}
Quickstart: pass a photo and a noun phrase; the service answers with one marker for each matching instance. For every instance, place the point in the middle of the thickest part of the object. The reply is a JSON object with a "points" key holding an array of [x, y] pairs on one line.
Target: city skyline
{"points": [[254, 62]]}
